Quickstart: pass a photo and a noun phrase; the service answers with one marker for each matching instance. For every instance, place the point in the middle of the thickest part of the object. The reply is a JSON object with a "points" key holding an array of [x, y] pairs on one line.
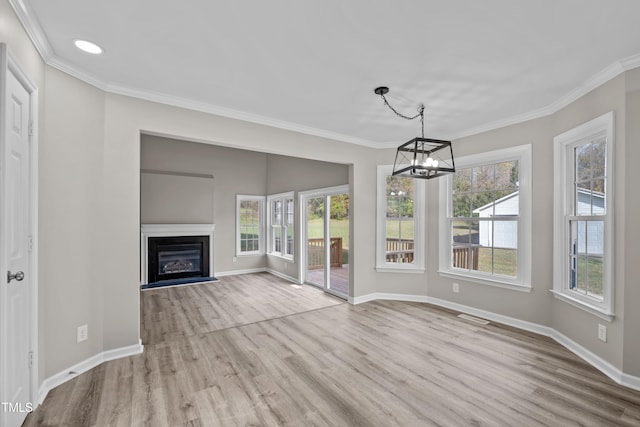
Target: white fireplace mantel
{"points": [[171, 230]]}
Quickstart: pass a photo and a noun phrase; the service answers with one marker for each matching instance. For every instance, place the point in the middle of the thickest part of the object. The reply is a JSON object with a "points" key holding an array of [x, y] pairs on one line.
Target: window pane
{"points": [[462, 181], [289, 227], [400, 222], [583, 162], [464, 249], [461, 205], [595, 277], [485, 259], [483, 178], [289, 248], [590, 178], [598, 198], [587, 243], [582, 275], [599, 158], [482, 204], [505, 262], [249, 225], [583, 198], [507, 176], [277, 239], [276, 212], [289, 220], [488, 245]]}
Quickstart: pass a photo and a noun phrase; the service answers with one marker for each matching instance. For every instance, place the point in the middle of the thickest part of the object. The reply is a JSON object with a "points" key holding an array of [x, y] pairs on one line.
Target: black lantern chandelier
{"points": [[420, 157]]}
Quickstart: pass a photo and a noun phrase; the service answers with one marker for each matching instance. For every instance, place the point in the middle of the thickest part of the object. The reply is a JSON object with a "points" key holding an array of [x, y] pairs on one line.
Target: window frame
{"points": [[261, 228], [282, 227], [564, 204], [522, 282], [419, 217]]}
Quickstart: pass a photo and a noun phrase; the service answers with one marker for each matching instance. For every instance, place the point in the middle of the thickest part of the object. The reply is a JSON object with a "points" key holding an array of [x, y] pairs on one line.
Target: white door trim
{"points": [[9, 64]]}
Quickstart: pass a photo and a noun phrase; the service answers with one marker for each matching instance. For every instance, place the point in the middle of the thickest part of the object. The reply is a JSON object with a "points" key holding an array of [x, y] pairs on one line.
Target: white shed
{"points": [[504, 234]]}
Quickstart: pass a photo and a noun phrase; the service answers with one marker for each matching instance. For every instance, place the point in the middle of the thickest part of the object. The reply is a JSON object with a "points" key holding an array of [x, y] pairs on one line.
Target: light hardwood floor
{"points": [[254, 350]]}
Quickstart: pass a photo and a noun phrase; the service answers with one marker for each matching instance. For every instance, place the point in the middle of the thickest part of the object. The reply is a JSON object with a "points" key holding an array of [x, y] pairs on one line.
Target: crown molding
{"points": [[234, 114], [36, 34], [34, 30], [597, 80]]}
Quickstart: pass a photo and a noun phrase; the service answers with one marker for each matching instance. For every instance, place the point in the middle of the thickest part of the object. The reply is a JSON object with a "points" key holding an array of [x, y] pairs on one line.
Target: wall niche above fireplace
{"points": [[175, 251]]}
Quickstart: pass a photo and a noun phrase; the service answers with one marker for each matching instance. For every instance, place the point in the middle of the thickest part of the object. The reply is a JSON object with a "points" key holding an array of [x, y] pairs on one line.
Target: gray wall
{"points": [[176, 198], [629, 255]]}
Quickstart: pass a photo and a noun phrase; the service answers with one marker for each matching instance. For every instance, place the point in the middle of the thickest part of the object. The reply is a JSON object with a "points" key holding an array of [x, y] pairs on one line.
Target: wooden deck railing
{"points": [[465, 256], [400, 250], [316, 253]]}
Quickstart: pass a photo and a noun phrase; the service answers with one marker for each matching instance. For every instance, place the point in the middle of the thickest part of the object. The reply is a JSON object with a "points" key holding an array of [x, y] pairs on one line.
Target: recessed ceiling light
{"points": [[88, 47]]}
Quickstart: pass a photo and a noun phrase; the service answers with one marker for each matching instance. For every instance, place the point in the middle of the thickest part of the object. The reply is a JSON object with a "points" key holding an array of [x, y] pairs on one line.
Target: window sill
{"points": [[398, 269], [485, 281], [589, 308], [288, 259], [247, 254]]}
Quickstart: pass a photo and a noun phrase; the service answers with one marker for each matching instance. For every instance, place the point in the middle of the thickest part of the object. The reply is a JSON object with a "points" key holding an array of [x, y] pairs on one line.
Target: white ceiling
{"points": [[312, 65]]}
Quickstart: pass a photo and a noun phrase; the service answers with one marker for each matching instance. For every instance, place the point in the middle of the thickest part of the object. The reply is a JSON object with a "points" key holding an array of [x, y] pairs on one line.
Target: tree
{"points": [[339, 206], [478, 186]]}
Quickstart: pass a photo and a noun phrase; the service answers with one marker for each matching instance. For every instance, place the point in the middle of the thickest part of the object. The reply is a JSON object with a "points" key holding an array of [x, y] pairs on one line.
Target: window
{"points": [[485, 218], [249, 225], [583, 216], [401, 216], [281, 225]]}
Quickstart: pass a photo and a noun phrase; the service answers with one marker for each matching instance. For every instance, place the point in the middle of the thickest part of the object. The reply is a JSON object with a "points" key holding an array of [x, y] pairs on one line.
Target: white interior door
{"points": [[14, 250]]}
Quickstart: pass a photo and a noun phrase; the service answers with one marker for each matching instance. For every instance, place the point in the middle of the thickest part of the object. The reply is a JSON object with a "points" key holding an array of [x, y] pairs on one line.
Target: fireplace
{"points": [[178, 257], [175, 252]]}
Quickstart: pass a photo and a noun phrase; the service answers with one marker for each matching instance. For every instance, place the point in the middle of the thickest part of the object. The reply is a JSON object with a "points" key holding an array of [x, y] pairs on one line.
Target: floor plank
{"points": [[254, 350]]}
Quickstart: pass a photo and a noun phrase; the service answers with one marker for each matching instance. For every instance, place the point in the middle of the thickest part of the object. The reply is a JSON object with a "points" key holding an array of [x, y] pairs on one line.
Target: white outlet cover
{"points": [[82, 333], [602, 333]]}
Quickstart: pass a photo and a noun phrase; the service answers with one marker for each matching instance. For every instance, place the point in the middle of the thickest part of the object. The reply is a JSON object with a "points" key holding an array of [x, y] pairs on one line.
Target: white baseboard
{"points": [[387, 296], [258, 270], [90, 363], [283, 276], [588, 356], [236, 272]]}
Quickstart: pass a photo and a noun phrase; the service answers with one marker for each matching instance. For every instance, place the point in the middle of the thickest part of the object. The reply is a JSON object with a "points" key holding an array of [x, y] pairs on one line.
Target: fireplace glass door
{"points": [[173, 258]]}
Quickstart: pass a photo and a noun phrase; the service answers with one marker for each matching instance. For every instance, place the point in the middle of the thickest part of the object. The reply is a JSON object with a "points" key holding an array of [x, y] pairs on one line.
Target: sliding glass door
{"points": [[316, 250], [326, 239]]}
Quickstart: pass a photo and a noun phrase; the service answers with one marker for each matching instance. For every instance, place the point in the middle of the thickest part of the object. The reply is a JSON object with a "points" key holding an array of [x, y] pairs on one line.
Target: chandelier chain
{"points": [[420, 113]]}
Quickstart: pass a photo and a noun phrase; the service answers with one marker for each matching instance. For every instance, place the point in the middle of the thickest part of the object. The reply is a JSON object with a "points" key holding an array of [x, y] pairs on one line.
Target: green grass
{"points": [[406, 227], [591, 284], [337, 227], [340, 228], [505, 261]]}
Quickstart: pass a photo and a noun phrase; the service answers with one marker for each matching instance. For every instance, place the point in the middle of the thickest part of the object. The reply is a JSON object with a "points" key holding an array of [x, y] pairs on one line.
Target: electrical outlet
{"points": [[235, 259], [602, 333], [456, 287], [82, 333]]}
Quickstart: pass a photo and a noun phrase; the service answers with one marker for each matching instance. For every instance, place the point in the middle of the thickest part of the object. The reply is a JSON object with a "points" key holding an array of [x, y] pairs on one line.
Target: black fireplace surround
{"points": [[171, 258]]}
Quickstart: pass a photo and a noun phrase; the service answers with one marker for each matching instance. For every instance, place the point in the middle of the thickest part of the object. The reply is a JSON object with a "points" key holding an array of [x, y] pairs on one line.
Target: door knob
{"points": [[19, 276]]}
